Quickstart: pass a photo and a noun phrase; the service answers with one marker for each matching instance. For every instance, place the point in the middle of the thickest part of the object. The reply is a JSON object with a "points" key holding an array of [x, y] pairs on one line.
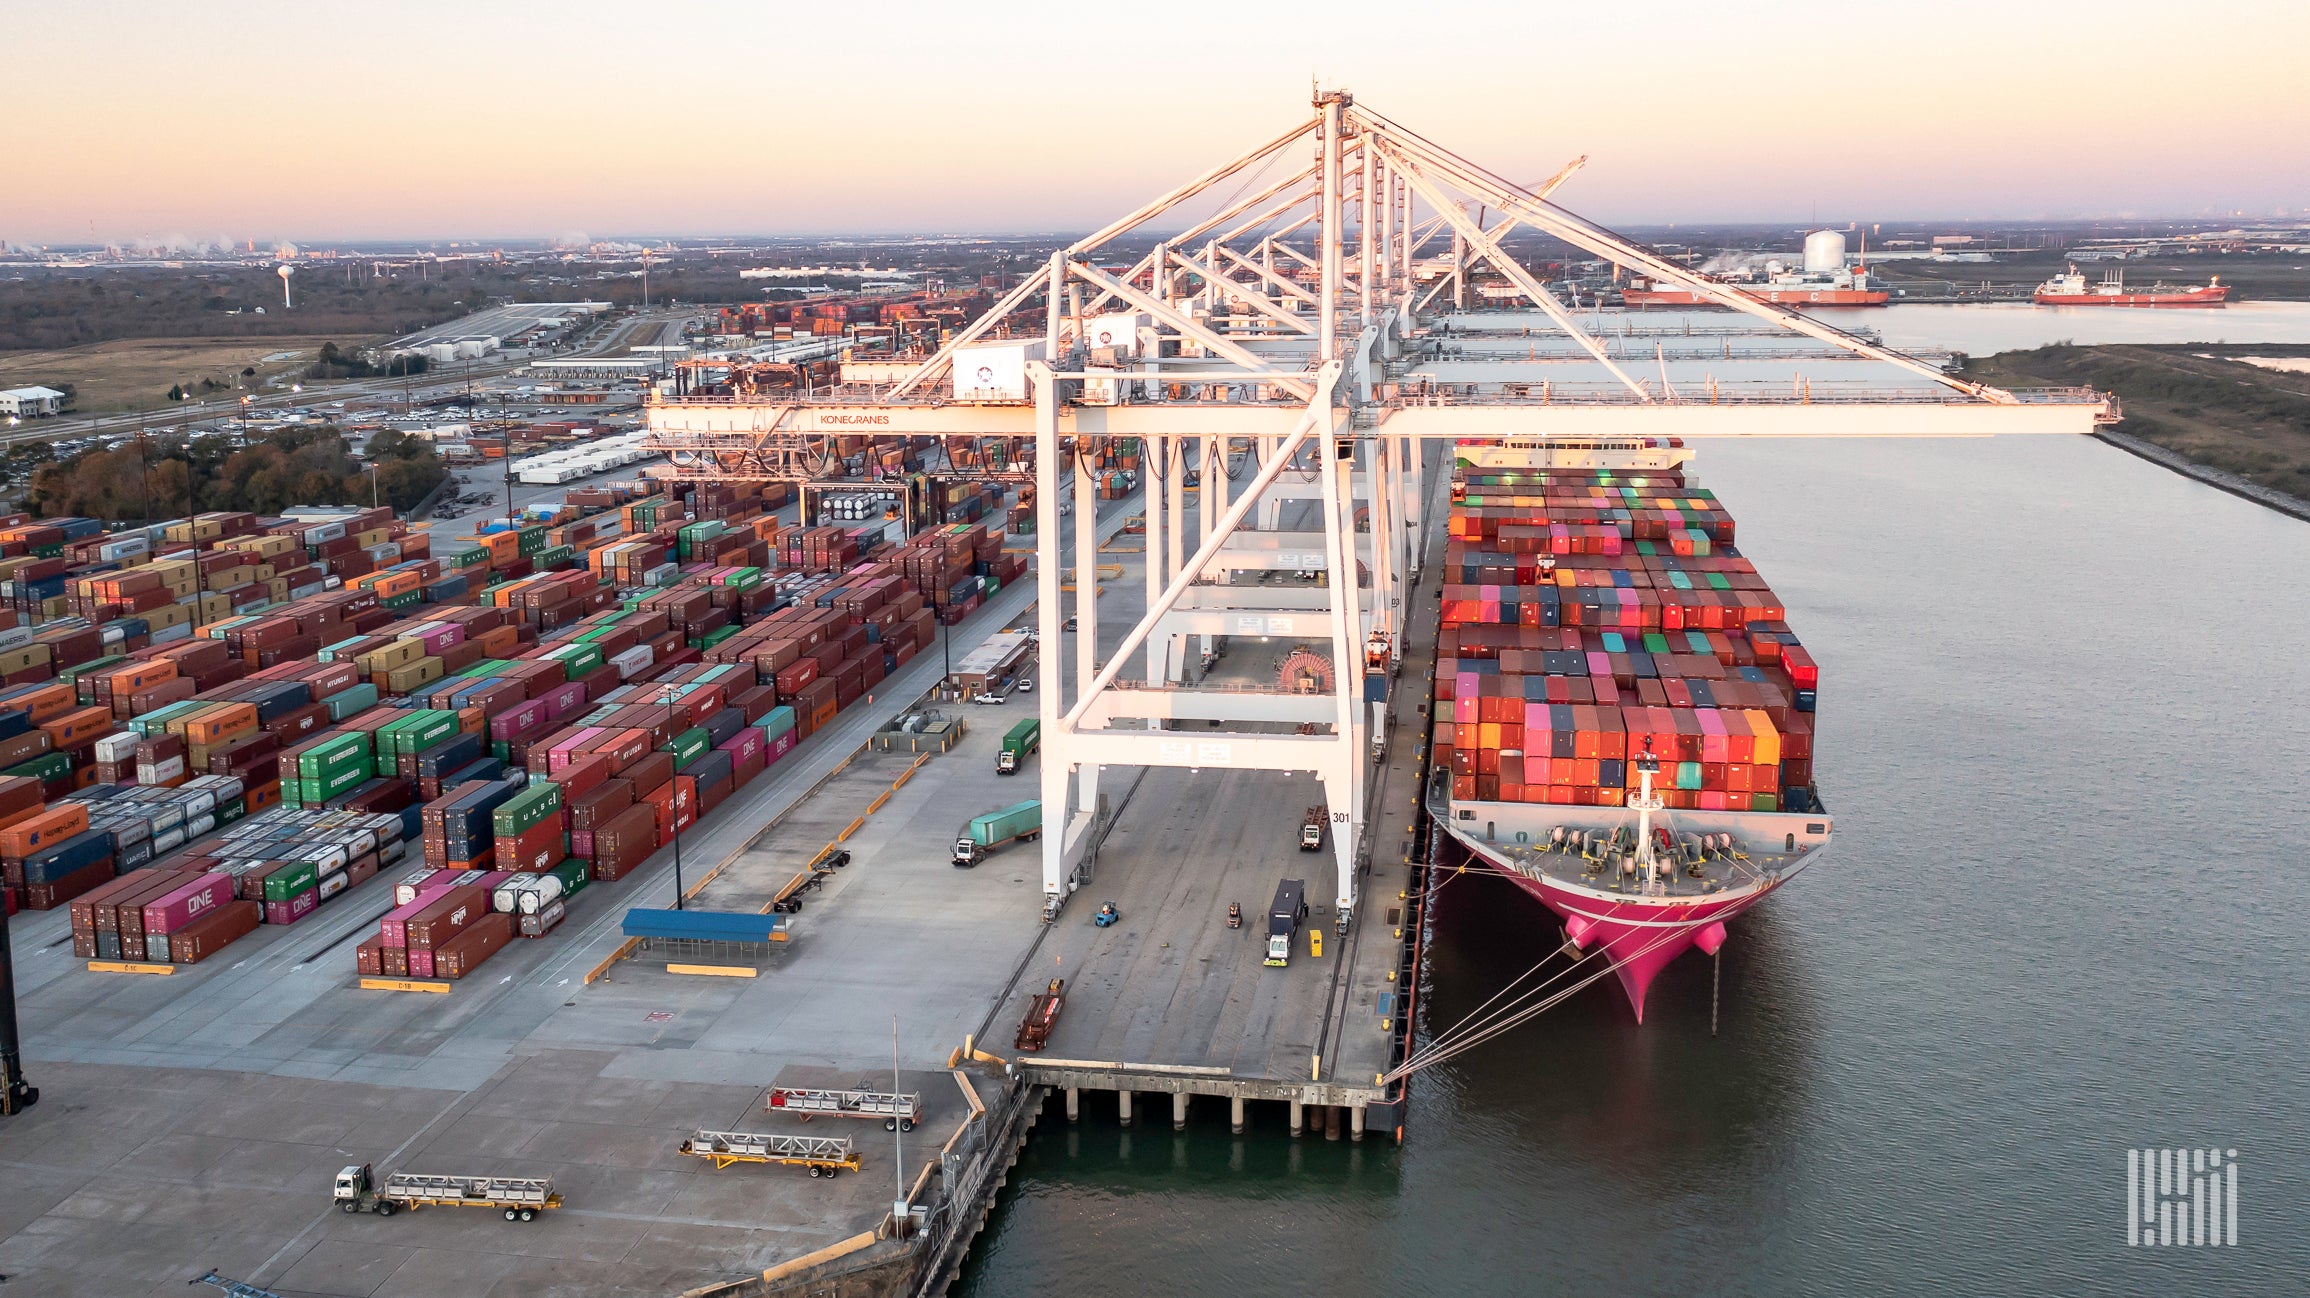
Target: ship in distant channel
{"points": [[2071, 289]]}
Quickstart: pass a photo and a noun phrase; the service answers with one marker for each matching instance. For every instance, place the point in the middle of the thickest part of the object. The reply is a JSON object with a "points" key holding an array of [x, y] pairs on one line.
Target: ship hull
{"points": [[1640, 936], [1639, 939], [1776, 296], [2194, 297]]}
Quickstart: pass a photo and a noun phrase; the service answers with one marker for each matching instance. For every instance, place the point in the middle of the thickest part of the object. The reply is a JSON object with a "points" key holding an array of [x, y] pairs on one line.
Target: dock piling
{"points": [[1123, 1100], [1331, 1122], [1074, 1104], [1298, 1118], [1356, 1122], [1179, 1110], [1235, 1114]]}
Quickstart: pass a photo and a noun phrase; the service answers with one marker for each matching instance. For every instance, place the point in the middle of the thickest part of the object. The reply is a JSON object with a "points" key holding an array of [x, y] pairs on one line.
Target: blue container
{"points": [[488, 768], [723, 725], [450, 755], [703, 925], [67, 856]]}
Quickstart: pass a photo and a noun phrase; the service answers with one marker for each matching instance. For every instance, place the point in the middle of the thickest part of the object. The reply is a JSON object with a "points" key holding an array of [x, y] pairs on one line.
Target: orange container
{"points": [[47, 702], [54, 825], [141, 676], [221, 723], [80, 726]]}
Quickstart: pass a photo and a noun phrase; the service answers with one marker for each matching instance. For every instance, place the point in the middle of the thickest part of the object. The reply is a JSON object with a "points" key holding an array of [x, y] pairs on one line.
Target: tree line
{"points": [[285, 467]]}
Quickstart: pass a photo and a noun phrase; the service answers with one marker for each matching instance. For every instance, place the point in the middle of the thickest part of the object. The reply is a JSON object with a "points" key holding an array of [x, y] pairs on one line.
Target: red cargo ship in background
{"points": [[2072, 290], [1623, 722]]}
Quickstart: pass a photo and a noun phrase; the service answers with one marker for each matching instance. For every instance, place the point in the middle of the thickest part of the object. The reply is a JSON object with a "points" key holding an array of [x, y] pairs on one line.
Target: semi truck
{"points": [[1311, 830], [520, 1198], [979, 838], [1023, 739], [1283, 919]]}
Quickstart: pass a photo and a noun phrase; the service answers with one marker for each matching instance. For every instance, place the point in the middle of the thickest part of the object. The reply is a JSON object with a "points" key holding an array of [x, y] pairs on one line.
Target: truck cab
{"points": [[1311, 830], [352, 1184], [1283, 920], [1007, 762], [966, 852]]}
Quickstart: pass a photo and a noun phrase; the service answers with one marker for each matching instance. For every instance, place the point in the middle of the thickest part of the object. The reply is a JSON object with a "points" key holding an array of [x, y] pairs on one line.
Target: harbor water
{"points": [[2062, 731]]}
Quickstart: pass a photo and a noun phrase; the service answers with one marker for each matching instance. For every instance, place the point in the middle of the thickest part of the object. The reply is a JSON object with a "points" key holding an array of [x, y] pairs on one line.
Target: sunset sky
{"points": [[276, 120]]}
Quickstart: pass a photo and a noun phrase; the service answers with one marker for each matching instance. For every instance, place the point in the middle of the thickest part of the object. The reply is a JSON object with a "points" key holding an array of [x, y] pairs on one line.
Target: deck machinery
{"points": [[1269, 329]]}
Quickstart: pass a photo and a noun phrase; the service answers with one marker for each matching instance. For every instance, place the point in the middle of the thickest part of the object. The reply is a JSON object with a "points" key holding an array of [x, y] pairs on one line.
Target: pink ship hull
{"points": [[1639, 938]]}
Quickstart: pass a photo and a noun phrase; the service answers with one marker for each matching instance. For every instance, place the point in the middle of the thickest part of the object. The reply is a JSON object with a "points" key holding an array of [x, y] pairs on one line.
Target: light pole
{"points": [[668, 699], [15, 1095], [372, 484]]}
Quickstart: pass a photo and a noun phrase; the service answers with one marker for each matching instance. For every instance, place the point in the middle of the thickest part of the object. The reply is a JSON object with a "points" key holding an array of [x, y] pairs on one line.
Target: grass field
{"points": [[135, 373], [2198, 402]]}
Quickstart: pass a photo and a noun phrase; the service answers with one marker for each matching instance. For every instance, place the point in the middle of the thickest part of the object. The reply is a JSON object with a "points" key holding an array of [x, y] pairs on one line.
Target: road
{"points": [[620, 335]]}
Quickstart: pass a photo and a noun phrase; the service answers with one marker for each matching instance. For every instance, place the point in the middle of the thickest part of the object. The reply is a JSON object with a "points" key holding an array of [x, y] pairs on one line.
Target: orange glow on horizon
{"points": [[428, 119]]}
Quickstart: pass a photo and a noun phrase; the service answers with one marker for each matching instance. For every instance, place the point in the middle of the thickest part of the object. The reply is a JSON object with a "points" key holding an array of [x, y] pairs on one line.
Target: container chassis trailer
{"points": [[520, 1198], [823, 1155], [898, 1111]]}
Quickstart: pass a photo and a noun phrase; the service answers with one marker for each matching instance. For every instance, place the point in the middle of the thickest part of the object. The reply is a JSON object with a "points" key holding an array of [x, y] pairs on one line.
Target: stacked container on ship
{"points": [[1623, 719]]}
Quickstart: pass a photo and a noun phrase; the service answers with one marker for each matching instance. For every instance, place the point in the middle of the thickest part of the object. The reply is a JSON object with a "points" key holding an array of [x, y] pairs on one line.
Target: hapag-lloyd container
{"points": [[174, 910], [447, 917]]}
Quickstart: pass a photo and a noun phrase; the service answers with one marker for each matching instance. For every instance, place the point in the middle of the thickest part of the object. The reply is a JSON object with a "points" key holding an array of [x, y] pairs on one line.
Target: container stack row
{"points": [[514, 717], [1590, 618]]}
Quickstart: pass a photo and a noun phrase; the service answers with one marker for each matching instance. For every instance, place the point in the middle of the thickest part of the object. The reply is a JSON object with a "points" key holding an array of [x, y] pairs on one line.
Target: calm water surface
{"points": [[2066, 734]]}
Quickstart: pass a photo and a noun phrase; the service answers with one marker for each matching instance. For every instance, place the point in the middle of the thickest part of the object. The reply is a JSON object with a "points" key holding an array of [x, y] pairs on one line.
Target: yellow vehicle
{"points": [[823, 1155]]}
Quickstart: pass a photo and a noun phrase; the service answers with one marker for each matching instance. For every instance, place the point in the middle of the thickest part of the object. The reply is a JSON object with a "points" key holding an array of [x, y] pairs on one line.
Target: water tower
{"points": [[285, 271], [1824, 252]]}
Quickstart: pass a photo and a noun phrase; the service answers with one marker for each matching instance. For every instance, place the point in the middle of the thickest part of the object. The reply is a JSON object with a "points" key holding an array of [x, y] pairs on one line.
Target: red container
{"points": [[447, 917], [212, 933], [479, 941]]}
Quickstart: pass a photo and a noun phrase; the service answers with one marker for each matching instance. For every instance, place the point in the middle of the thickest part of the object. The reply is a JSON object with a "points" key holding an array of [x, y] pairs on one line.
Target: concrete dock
{"points": [[195, 1121]]}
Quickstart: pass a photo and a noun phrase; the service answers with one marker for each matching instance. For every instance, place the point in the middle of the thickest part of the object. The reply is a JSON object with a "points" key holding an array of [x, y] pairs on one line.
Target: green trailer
{"points": [[1023, 739], [983, 834]]}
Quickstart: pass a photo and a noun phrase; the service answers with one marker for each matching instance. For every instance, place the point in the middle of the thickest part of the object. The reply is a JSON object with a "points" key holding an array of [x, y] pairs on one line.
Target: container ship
{"points": [[2072, 290], [1823, 280], [1623, 719]]}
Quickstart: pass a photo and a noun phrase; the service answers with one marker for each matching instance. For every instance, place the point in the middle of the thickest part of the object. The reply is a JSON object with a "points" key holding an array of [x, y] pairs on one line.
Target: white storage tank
{"points": [[1824, 252]]}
